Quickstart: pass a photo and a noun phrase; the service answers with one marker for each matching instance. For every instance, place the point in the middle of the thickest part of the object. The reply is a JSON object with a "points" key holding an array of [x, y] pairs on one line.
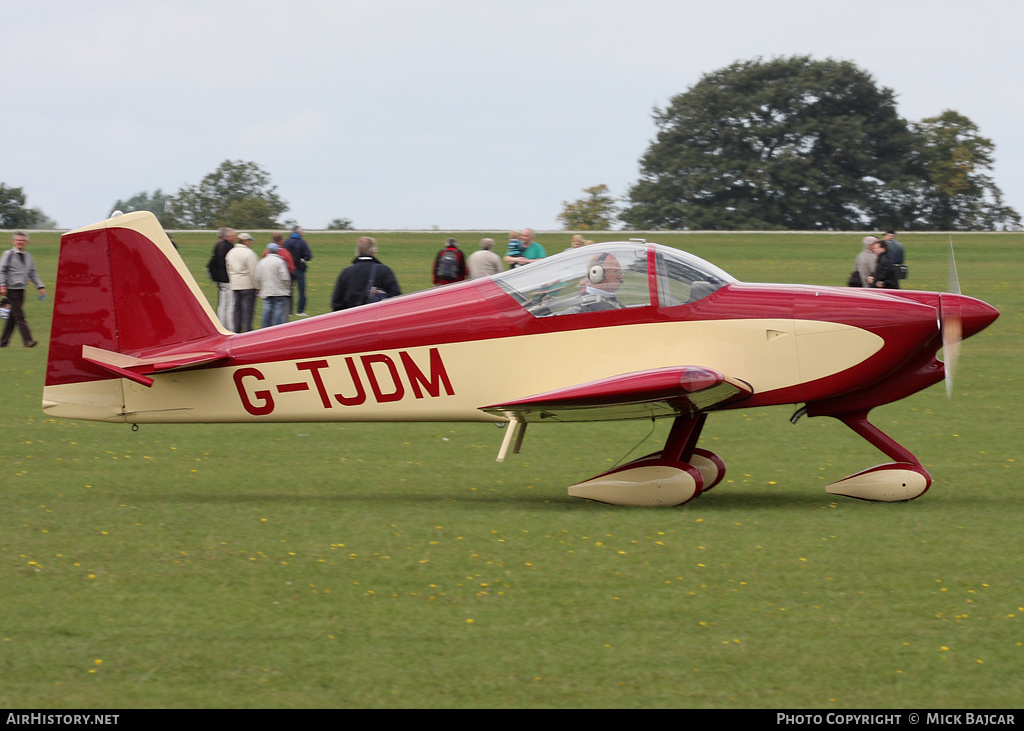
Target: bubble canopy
{"points": [[609, 276]]}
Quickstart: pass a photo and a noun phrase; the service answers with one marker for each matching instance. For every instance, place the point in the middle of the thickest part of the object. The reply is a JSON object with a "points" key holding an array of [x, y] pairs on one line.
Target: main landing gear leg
{"points": [[904, 479], [673, 476]]}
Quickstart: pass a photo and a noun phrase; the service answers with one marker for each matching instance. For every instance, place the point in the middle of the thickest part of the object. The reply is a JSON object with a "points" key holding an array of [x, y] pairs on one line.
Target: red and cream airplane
{"points": [[629, 330]]}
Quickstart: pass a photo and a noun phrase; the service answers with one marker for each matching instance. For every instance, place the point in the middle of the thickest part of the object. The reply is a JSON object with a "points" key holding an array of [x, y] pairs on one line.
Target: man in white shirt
{"points": [[241, 265], [484, 262]]}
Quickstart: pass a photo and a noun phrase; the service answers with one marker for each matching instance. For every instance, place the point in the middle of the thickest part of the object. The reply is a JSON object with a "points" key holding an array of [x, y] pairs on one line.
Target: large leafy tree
{"points": [[959, 194], [156, 202], [237, 194], [15, 214], [596, 212], [790, 143]]}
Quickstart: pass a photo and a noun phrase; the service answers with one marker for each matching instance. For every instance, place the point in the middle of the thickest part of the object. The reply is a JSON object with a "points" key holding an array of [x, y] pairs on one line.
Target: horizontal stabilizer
{"points": [[639, 395], [138, 369]]}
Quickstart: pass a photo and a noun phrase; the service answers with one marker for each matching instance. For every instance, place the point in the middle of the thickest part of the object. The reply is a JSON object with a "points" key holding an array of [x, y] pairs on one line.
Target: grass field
{"points": [[389, 565]]}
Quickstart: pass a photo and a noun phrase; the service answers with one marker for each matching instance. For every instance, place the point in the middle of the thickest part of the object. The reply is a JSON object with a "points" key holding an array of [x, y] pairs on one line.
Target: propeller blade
{"points": [[954, 280], [951, 323], [952, 334]]}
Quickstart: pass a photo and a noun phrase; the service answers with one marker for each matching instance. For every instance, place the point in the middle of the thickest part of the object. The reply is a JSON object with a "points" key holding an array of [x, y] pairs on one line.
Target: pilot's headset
{"points": [[596, 273]]}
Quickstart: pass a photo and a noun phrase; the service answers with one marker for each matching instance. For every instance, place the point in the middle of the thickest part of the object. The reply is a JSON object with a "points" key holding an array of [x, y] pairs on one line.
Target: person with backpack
{"points": [[301, 254], [449, 264]]}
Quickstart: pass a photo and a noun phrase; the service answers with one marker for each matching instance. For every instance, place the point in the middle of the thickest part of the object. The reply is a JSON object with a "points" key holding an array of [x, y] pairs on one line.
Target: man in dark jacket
{"points": [[366, 280], [218, 269], [301, 253], [897, 254], [886, 274]]}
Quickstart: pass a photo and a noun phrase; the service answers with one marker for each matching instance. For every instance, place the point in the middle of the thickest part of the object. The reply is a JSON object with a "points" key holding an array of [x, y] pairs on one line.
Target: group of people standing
{"points": [[367, 279], [451, 265], [880, 263], [242, 275]]}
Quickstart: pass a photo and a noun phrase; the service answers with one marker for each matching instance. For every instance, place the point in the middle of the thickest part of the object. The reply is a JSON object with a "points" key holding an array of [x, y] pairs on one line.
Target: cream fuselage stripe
{"points": [[451, 382]]}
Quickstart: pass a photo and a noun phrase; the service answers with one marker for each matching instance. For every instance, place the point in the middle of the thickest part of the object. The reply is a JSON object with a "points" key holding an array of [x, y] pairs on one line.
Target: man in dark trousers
{"points": [[218, 270], [16, 270], [449, 264], [366, 280], [301, 253], [897, 254], [886, 274]]}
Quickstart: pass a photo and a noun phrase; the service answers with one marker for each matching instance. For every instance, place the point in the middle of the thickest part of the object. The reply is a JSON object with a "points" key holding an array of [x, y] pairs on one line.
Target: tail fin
{"points": [[123, 297]]}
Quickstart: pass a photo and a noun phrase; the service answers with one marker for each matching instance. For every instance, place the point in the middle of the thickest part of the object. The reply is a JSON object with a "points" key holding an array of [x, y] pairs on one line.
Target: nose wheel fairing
{"points": [[898, 481], [887, 483]]}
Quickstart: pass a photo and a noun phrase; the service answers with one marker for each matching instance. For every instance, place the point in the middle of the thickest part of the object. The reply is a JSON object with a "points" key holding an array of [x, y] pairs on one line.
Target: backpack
{"points": [[448, 265]]}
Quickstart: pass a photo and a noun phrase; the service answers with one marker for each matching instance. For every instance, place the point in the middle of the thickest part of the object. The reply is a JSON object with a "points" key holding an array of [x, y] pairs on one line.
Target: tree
{"points": [[959, 194], [596, 212], [14, 213], [340, 224], [248, 212], [790, 143], [42, 220], [157, 204], [236, 194]]}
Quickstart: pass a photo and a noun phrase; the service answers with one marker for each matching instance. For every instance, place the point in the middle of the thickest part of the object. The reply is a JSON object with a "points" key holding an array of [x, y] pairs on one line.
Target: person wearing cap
{"points": [[897, 254], [275, 285], [241, 265]]}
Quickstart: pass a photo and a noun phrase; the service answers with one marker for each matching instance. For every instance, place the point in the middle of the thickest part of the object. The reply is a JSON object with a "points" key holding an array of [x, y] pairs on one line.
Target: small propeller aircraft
{"points": [[627, 330]]}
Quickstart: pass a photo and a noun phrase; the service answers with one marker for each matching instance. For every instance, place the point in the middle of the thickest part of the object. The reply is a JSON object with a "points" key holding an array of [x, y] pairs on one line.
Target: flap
{"points": [[640, 395]]}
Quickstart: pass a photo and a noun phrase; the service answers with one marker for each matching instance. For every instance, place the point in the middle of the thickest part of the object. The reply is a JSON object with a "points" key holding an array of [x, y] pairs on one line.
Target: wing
{"points": [[640, 395]]}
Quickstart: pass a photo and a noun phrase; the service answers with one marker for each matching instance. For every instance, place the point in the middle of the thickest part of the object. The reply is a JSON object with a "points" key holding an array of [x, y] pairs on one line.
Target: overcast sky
{"points": [[460, 114]]}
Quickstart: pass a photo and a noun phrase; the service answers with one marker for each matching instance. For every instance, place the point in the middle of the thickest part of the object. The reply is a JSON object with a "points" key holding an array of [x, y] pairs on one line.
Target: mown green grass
{"points": [[390, 565]]}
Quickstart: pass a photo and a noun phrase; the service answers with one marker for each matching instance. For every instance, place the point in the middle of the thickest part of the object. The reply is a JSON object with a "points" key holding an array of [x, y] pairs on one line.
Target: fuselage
{"points": [[443, 354]]}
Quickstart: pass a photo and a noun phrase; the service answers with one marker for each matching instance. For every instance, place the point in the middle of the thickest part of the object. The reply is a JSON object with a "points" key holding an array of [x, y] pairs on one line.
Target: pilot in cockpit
{"points": [[604, 277]]}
